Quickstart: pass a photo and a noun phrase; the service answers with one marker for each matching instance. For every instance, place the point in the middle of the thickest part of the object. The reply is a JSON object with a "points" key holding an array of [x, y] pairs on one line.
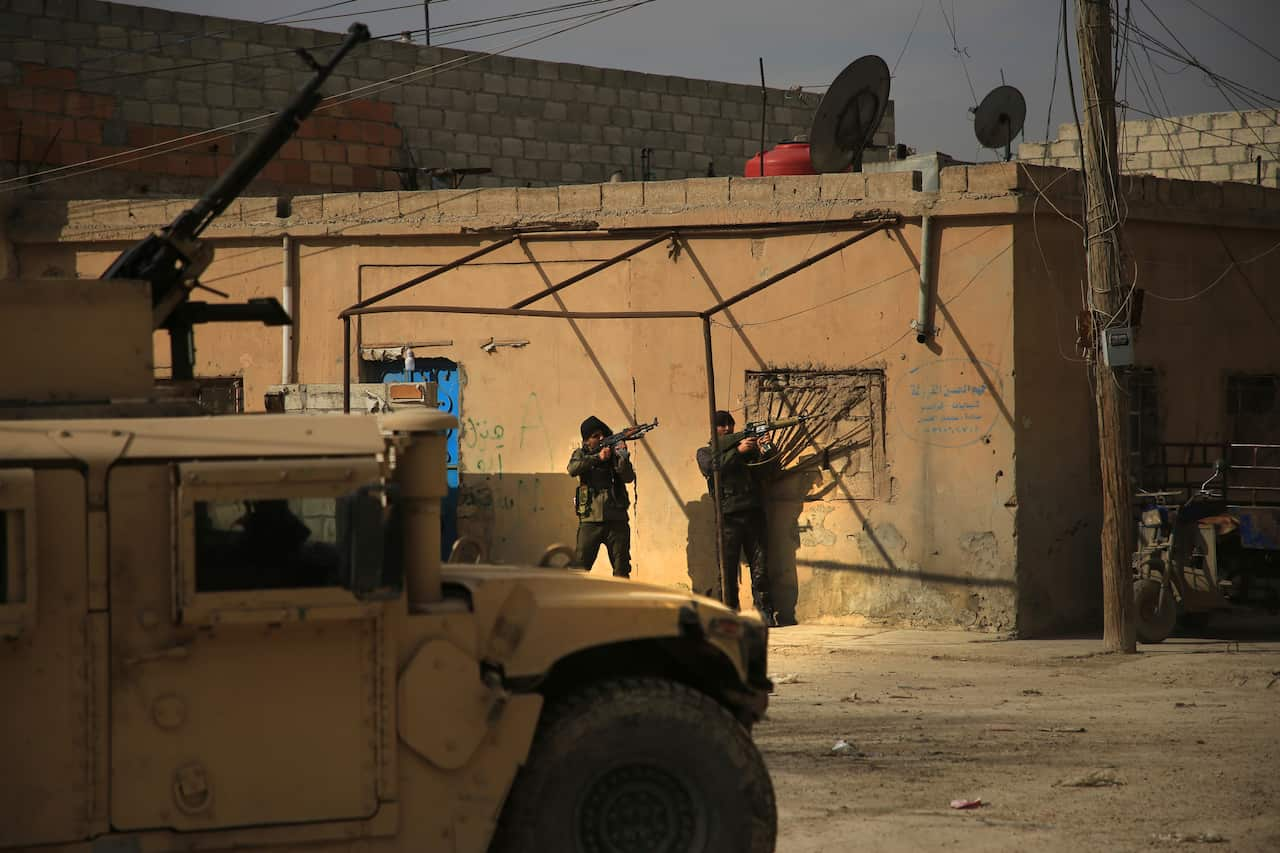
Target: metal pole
{"points": [[437, 271], [795, 268], [346, 365], [764, 113], [522, 312], [289, 285], [426, 15], [587, 273], [715, 461]]}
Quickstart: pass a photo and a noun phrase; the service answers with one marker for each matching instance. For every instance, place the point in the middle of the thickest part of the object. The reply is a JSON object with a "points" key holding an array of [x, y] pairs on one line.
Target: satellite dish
{"points": [[998, 119], [849, 114]]}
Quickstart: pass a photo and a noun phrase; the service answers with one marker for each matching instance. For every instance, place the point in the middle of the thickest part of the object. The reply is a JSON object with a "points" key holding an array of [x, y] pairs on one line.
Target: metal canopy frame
{"points": [[370, 306]]}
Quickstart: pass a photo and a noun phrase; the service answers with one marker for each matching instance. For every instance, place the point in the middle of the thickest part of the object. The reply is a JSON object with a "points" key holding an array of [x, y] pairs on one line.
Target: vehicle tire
{"points": [[557, 556], [1155, 617], [639, 765]]}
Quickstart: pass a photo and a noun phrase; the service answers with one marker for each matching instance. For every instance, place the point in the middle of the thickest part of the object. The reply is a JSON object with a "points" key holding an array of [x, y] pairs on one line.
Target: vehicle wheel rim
{"points": [[638, 809]]}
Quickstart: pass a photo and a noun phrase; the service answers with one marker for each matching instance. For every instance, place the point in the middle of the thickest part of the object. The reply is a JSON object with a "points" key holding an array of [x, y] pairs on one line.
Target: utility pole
{"points": [[1108, 308], [426, 14]]}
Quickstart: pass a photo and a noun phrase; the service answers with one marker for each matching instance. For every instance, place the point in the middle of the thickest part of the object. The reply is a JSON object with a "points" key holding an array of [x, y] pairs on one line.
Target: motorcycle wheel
{"points": [[1156, 618]]}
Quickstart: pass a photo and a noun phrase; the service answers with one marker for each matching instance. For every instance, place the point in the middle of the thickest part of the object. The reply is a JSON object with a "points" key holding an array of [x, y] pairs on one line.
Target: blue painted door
{"points": [[444, 373]]}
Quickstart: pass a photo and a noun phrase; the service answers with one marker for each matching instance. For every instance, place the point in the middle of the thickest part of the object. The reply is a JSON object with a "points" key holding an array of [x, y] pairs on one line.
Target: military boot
{"points": [[764, 605]]}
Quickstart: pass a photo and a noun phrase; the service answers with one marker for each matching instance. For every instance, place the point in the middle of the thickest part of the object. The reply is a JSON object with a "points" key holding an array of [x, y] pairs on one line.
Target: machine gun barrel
{"points": [[172, 259], [173, 256], [253, 159]]}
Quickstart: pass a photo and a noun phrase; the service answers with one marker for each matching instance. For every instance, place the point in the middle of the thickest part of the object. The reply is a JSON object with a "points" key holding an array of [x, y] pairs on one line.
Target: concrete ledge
{"points": [[580, 197], [975, 190]]}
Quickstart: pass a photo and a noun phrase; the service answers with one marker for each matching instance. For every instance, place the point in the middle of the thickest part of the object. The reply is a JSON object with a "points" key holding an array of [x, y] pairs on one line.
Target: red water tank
{"points": [[785, 158]]}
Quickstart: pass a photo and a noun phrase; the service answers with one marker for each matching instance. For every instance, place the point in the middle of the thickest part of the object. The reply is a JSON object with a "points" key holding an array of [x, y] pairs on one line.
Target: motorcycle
{"points": [[1203, 556]]}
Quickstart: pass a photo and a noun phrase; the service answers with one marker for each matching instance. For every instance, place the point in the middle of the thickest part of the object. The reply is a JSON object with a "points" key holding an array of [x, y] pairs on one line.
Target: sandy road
{"points": [[1188, 733]]}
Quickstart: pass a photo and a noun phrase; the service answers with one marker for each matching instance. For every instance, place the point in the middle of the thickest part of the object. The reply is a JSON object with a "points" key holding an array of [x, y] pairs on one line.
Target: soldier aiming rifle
{"points": [[747, 459], [603, 468]]}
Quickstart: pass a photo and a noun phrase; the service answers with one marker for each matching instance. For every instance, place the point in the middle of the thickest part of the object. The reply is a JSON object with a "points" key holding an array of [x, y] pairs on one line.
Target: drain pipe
{"points": [[921, 324], [288, 298]]}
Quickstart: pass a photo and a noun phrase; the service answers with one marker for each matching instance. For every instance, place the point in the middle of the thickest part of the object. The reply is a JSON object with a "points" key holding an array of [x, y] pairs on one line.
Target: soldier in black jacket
{"points": [[742, 507], [601, 500]]}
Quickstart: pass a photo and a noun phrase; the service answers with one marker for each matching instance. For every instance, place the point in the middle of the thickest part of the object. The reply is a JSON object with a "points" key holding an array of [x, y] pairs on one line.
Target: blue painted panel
{"points": [[1259, 527]]}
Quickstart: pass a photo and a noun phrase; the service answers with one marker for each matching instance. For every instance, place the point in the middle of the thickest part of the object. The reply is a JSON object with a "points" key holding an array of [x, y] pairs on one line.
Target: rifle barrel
{"points": [[251, 161]]}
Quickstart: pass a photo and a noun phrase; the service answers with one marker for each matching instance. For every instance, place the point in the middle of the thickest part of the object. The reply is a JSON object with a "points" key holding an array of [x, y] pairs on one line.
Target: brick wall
{"points": [[1205, 147], [86, 80]]}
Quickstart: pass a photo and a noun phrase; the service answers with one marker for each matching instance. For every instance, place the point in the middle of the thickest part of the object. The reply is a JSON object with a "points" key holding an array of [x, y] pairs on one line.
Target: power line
{"points": [[205, 136], [1174, 121], [1145, 89], [912, 32], [1200, 65], [1234, 30], [401, 79], [461, 25], [364, 13], [962, 52], [1161, 48], [1231, 266], [1053, 86]]}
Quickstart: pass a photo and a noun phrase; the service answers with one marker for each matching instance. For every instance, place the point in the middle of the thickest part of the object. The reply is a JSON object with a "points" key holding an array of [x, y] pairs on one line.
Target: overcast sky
{"points": [[810, 41]]}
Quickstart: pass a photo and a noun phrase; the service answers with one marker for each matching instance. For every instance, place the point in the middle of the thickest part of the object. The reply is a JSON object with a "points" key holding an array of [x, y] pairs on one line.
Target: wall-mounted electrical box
{"points": [[1117, 346]]}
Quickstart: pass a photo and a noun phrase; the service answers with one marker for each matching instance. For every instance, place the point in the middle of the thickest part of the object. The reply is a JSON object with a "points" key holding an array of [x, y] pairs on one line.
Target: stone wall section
{"points": [[1204, 147], [86, 80]]}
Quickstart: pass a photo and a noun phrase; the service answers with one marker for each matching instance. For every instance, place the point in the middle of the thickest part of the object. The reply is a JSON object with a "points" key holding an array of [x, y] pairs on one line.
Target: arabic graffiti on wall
{"points": [[948, 402]]}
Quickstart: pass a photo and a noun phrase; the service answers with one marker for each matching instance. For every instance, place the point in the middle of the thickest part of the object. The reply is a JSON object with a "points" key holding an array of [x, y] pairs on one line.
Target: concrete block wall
{"points": [[1204, 147], [87, 80]]}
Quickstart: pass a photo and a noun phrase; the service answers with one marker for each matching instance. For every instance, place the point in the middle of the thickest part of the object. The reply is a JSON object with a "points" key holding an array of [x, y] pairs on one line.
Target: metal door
{"points": [[243, 703]]}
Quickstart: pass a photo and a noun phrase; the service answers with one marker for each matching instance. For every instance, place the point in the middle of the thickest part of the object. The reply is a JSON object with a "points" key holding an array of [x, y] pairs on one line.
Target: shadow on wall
{"points": [[700, 554], [700, 547]]}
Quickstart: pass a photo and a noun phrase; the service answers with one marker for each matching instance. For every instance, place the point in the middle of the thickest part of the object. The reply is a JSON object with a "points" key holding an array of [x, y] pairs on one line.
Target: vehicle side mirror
{"points": [[369, 537]]}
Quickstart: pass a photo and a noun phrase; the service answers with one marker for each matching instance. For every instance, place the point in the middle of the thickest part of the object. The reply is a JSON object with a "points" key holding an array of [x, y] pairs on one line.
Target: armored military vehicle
{"points": [[235, 631]]}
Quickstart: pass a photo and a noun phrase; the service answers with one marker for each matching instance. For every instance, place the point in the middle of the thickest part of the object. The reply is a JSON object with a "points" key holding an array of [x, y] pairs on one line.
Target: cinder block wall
{"points": [[87, 80], [1204, 147]]}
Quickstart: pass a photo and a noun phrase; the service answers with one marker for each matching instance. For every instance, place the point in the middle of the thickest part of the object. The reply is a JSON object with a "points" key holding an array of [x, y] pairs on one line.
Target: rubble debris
{"points": [[1031, 691], [854, 697], [1064, 729], [967, 803], [1189, 838], [843, 747], [1093, 779], [786, 678]]}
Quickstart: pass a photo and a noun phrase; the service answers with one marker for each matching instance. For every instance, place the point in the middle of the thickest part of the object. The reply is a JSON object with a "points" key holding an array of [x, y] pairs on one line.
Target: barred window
{"points": [[838, 452]]}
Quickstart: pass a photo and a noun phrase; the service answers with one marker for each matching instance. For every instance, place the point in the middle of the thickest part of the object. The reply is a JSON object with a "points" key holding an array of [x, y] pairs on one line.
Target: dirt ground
{"points": [[1181, 740]]}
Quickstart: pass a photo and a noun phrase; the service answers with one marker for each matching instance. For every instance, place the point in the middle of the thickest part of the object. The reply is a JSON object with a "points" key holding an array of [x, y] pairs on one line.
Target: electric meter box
{"points": [[1117, 347]]}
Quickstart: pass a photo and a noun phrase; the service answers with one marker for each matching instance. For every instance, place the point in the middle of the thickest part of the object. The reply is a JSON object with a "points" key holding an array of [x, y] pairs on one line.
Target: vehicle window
{"points": [[267, 544]]}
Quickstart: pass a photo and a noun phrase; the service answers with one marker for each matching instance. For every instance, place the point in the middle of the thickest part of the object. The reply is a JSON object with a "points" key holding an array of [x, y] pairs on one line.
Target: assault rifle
{"points": [[629, 433], [173, 258], [760, 429]]}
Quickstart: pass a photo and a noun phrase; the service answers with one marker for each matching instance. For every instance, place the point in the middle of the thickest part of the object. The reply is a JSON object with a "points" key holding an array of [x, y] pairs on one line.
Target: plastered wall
{"points": [[974, 500]]}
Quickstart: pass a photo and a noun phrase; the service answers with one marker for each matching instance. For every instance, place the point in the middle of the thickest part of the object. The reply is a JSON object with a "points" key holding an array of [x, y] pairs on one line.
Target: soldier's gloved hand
{"points": [[747, 445], [623, 452]]}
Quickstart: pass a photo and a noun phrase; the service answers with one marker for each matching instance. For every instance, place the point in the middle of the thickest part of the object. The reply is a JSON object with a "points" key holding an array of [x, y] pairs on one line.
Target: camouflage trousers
{"points": [[614, 535]]}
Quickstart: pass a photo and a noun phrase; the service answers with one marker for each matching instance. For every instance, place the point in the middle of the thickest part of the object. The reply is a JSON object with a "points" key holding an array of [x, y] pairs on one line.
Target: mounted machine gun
{"points": [[173, 258]]}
